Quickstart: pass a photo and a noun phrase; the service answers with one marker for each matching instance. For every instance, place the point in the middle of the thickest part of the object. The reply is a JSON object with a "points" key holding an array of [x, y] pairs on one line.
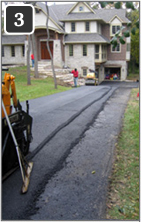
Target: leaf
{"points": [[121, 40], [130, 5], [129, 24], [103, 4], [122, 27], [126, 33], [137, 24], [114, 41], [118, 5], [133, 31], [117, 33]]}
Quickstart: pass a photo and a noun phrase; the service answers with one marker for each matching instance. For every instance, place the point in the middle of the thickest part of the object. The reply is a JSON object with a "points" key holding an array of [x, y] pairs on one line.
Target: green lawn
{"points": [[123, 198], [38, 88]]}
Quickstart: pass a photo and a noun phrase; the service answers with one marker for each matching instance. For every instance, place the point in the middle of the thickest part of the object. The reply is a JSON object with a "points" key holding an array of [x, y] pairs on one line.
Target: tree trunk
{"points": [[28, 61], [52, 65], [35, 56]]}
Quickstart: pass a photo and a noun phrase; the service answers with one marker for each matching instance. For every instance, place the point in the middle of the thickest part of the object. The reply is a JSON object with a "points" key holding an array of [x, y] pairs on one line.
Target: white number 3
{"points": [[19, 19]]}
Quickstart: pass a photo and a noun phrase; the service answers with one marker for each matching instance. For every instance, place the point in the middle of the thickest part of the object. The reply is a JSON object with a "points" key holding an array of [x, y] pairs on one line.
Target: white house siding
{"points": [[115, 21], [93, 26], [17, 59], [80, 27], [40, 21], [78, 60]]}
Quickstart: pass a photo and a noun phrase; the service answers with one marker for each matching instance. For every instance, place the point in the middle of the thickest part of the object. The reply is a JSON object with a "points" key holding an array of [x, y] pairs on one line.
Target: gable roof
{"points": [[85, 3], [108, 14]]}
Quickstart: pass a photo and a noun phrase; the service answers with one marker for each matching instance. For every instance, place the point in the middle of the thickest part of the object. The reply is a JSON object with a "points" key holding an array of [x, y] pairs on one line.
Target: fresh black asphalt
{"points": [[74, 135]]}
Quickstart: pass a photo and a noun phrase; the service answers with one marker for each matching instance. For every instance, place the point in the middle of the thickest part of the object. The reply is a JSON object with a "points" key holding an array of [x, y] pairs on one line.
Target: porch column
{"points": [[100, 52], [57, 53], [56, 35]]}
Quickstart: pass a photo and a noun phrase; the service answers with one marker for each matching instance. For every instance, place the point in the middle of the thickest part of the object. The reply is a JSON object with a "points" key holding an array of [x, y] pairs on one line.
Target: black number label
{"points": [[19, 19]]}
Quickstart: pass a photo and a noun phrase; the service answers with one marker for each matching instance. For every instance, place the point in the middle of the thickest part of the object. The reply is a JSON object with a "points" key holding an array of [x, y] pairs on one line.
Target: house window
{"points": [[70, 50], [84, 72], [23, 51], [104, 52], [115, 28], [80, 8], [116, 49], [84, 50], [128, 47], [73, 26], [96, 51], [87, 25], [2, 51], [13, 51]]}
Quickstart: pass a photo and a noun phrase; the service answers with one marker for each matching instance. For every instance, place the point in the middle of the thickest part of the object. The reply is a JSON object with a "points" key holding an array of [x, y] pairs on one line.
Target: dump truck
{"points": [[92, 78]]}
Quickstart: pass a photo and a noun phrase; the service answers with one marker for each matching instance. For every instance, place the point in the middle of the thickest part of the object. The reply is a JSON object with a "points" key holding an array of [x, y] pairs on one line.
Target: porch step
{"points": [[64, 75]]}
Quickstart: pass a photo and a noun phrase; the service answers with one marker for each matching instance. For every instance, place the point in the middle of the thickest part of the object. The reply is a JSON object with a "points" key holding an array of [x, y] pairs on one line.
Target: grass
{"points": [[123, 196], [38, 88], [133, 76]]}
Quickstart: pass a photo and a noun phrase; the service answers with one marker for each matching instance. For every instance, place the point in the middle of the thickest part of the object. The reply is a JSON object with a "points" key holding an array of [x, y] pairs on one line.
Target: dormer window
{"points": [[81, 8], [115, 28]]}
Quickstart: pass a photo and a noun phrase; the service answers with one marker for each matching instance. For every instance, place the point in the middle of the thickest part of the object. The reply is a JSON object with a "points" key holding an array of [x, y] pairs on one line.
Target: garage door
{"points": [[112, 73]]}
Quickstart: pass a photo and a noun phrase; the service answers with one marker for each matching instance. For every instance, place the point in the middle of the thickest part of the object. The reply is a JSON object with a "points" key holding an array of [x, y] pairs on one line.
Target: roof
{"points": [[13, 39], [80, 16], [85, 3], [85, 38], [108, 14], [59, 13], [56, 12]]}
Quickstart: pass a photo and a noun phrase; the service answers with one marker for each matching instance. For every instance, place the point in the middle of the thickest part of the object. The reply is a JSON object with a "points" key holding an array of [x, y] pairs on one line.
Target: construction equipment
{"points": [[16, 132], [92, 78]]}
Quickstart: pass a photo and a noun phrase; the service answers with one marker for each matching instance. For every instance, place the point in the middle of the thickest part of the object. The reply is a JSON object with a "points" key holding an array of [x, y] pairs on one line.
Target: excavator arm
{"points": [[9, 80], [20, 122]]}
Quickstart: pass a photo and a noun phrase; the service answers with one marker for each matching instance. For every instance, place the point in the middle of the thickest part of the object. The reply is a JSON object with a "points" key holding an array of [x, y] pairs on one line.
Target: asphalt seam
{"points": [[49, 137]]}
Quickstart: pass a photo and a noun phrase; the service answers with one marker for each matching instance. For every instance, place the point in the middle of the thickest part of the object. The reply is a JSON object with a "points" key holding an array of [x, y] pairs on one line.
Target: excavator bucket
{"points": [[27, 177], [25, 171]]}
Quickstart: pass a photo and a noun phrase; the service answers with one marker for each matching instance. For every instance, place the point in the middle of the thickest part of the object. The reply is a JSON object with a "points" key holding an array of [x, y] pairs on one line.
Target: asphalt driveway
{"points": [[75, 133]]}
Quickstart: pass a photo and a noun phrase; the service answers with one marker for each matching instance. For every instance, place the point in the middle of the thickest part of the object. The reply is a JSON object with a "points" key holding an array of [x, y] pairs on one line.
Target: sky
{"points": [[49, 3]]}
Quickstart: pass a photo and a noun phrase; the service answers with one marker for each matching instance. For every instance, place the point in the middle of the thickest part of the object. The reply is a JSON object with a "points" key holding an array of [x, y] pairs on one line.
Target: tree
{"points": [[118, 38], [54, 76], [34, 47], [28, 61], [134, 17]]}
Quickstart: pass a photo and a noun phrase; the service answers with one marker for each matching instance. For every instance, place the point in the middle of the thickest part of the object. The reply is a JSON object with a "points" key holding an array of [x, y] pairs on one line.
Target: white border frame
{"points": [[20, 33]]}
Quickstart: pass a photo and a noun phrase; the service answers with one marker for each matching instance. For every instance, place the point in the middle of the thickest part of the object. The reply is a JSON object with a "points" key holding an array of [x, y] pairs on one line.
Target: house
{"points": [[80, 38], [13, 49]]}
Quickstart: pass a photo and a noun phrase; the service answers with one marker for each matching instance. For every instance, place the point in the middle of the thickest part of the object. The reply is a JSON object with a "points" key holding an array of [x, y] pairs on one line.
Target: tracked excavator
{"points": [[16, 131]]}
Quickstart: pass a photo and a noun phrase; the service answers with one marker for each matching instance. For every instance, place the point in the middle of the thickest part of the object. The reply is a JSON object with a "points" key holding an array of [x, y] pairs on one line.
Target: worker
{"points": [[75, 75], [32, 59]]}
